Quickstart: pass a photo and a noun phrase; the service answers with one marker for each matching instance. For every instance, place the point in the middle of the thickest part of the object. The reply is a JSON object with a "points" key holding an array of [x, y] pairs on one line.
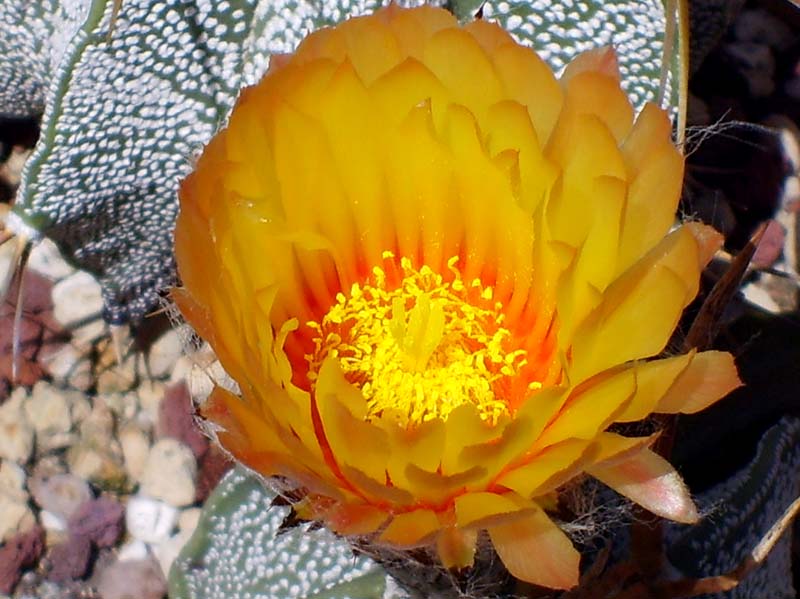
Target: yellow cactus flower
{"points": [[438, 274]]}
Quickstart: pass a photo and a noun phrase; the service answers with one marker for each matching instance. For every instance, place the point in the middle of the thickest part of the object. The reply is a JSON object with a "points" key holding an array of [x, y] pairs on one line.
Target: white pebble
{"points": [[150, 520], [132, 550], [52, 522]]}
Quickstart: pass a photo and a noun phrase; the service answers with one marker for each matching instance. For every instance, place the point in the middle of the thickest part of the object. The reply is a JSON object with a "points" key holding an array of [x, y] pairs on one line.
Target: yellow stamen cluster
{"points": [[420, 350]]}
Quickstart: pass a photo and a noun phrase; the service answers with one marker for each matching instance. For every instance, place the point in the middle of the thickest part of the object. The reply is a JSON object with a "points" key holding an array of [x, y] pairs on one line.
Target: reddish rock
{"points": [[70, 559], [211, 468], [771, 246], [98, 520], [21, 552], [176, 420], [38, 330]]}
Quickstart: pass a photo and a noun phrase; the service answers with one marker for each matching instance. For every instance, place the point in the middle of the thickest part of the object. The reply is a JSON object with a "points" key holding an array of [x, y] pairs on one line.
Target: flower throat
{"points": [[421, 349]]}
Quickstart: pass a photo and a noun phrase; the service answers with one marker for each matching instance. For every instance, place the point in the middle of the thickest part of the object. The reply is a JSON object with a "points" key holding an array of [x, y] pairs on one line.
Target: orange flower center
{"points": [[422, 348]]}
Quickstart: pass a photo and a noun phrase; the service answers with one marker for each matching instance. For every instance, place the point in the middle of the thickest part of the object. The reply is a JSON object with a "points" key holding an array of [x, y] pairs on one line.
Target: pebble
{"points": [[16, 432], [135, 445], [149, 520], [47, 261], [189, 518], [61, 494], [164, 354], [70, 559], [78, 299], [115, 377], [170, 473], [756, 64], [12, 481], [69, 366], [761, 27], [167, 551], [150, 394], [52, 522], [48, 410], [98, 426], [99, 520], [176, 420], [94, 463], [15, 517], [133, 550], [134, 578]]}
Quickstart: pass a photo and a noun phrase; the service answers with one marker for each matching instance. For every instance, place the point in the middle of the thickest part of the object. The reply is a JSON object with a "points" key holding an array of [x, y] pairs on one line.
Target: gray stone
{"points": [[61, 494], [135, 578]]}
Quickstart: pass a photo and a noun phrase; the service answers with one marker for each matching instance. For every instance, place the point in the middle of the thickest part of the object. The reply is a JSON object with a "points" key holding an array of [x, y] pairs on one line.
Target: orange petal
{"points": [[613, 448], [411, 529], [535, 550], [708, 239], [456, 547], [649, 480], [710, 376], [355, 519], [599, 60]]}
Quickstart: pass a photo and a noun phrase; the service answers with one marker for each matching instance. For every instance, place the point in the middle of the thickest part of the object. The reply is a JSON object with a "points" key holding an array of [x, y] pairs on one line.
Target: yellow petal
{"points": [[535, 550], [640, 310], [652, 201], [482, 509], [346, 433], [464, 427], [435, 488], [592, 92], [649, 480], [653, 379], [515, 439], [590, 408], [709, 377], [529, 81], [471, 78], [546, 470]]}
